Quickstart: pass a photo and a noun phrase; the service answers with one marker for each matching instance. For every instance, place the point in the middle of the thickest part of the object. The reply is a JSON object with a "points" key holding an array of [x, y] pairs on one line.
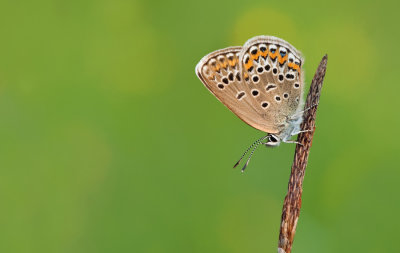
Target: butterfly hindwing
{"points": [[272, 67]]}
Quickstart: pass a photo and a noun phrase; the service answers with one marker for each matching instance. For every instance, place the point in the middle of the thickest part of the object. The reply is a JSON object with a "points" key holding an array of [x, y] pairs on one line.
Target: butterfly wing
{"points": [[220, 73], [271, 69]]}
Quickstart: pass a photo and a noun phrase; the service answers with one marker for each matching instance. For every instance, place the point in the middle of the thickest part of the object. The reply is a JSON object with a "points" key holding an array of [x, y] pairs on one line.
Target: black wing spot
{"points": [[281, 77], [270, 87], [289, 76], [275, 71], [230, 76], [225, 80], [255, 79], [238, 76], [254, 93], [221, 86], [260, 69], [240, 95]]}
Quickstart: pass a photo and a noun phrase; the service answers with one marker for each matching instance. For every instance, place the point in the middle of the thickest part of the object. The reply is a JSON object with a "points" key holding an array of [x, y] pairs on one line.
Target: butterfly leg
{"points": [[302, 131], [289, 141], [294, 116]]}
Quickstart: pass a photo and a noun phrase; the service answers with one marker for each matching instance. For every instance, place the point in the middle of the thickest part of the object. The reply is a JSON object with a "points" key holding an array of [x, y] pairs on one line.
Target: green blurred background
{"points": [[110, 143]]}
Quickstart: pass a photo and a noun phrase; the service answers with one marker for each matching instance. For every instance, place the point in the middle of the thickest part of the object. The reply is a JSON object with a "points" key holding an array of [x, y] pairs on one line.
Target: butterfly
{"points": [[261, 82]]}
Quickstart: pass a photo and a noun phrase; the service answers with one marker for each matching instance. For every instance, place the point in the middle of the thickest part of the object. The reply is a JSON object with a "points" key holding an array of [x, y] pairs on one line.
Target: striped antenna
{"points": [[252, 145], [248, 160]]}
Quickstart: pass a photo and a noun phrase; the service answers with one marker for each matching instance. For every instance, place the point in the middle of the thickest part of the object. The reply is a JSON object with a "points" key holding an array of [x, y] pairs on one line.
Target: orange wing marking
{"points": [[282, 59]]}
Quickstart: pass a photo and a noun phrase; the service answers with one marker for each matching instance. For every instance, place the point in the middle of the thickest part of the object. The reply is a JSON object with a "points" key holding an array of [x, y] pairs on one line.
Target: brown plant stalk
{"points": [[292, 203]]}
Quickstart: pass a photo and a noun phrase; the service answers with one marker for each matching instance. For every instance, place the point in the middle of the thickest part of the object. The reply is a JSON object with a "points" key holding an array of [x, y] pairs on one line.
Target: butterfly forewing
{"points": [[220, 73]]}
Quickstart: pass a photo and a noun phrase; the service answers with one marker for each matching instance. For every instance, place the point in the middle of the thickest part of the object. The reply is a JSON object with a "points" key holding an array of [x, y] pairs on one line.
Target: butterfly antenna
{"points": [[248, 160], [252, 145]]}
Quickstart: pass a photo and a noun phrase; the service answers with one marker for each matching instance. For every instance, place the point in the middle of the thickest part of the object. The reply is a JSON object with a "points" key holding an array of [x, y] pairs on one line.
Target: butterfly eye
{"points": [[272, 138]]}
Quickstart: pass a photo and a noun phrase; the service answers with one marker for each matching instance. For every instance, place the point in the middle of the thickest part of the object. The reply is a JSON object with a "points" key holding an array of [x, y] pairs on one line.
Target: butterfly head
{"points": [[273, 140]]}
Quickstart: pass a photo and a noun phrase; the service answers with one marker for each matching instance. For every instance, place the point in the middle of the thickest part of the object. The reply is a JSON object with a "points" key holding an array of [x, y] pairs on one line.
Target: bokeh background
{"points": [[110, 143]]}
